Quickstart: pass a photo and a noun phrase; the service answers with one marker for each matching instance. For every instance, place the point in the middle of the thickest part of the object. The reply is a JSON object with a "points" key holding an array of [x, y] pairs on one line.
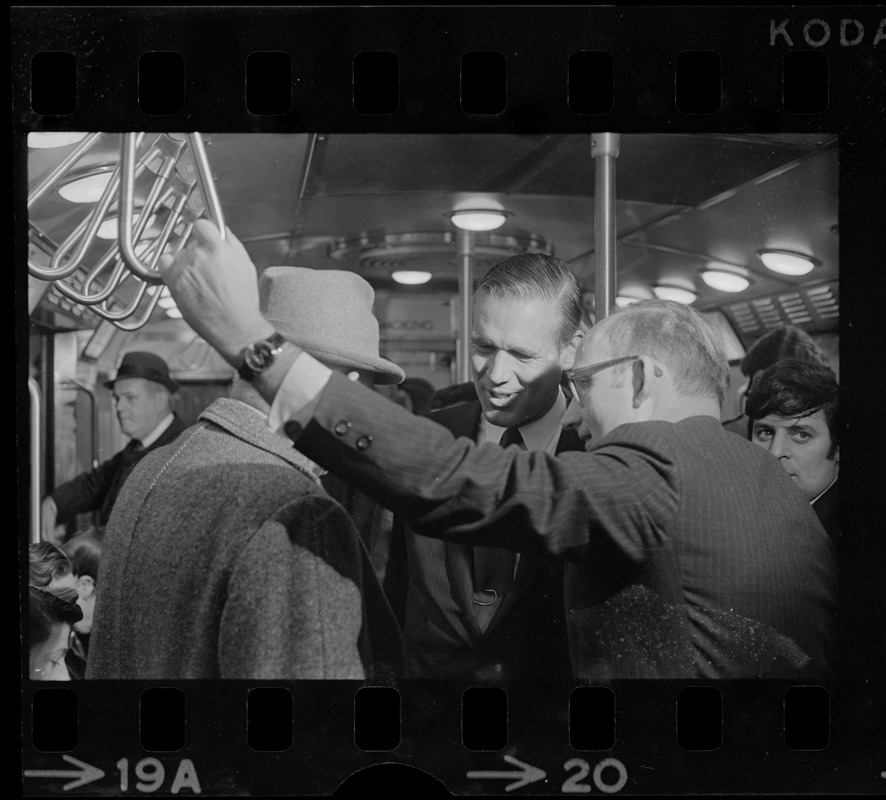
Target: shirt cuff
{"points": [[299, 392]]}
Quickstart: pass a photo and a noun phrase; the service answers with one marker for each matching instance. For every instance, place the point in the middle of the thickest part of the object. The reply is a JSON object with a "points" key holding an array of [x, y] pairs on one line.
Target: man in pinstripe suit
{"points": [[689, 552]]}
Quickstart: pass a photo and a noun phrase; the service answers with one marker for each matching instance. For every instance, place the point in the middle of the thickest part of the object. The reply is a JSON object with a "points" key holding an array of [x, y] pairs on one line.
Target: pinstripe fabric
{"points": [[688, 552]]}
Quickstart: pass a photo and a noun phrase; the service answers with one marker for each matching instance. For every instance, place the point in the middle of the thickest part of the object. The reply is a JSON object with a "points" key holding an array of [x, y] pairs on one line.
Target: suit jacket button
{"points": [[341, 428], [292, 429], [363, 442]]}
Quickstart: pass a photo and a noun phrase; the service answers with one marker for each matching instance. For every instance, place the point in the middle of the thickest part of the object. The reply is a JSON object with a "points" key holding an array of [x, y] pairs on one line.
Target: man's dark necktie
{"points": [[494, 566]]}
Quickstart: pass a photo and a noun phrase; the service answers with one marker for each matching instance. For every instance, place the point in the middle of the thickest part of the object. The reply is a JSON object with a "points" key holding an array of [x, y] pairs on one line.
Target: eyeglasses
{"points": [[580, 378]]}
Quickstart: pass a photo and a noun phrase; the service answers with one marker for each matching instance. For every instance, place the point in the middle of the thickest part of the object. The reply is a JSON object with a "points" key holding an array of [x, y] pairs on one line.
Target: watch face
{"points": [[259, 355]]}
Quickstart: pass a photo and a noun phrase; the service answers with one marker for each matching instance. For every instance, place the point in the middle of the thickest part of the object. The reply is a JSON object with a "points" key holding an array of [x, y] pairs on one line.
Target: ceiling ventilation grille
{"points": [[816, 308], [382, 253]]}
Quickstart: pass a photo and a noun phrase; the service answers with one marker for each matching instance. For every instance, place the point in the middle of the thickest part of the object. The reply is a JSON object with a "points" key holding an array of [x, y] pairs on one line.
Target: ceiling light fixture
{"points": [[675, 293], [478, 219], [87, 188], [108, 229], [786, 262], [39, 140], [166, 301], [411, 277], [725, 280]]}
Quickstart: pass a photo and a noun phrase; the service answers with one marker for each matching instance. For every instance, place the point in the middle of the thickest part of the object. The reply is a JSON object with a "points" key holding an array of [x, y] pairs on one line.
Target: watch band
{"points": [[258, 356]]}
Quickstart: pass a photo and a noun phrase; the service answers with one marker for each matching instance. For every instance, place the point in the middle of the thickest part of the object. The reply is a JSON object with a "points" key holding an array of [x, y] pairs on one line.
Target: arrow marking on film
{"points": [[85, 773], [527, 774]]}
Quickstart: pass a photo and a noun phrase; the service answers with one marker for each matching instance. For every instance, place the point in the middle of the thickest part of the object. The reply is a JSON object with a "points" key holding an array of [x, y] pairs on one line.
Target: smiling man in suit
{"points": [[483, 613]]}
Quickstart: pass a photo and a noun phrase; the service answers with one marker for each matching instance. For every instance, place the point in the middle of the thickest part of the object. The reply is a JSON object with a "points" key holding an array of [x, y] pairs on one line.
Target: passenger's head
{"points": [[525, 330], [328, 313], [652, 360], [793, 412], [51, 616], [142, 390], [419, 392], [50, 568], [785, 341], [84, 549]]}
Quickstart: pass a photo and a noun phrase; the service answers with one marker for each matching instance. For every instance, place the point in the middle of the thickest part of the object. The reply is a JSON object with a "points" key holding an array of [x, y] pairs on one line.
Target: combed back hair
{"points": [[677, 336], [534, 275], [785, 341], [48, 562], [46, 609], [84, 549], [795, 388]]}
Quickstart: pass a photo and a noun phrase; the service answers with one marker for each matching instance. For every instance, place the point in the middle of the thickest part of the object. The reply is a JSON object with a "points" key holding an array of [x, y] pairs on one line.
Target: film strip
{"points": [[516, 70]]}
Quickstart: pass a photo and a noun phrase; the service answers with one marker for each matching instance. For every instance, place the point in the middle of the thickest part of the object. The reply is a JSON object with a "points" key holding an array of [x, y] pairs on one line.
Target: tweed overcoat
{"points": [[224, 558]]}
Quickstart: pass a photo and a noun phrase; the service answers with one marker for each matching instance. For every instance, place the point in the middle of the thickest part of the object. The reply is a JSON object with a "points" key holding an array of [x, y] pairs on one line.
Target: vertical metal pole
{"points": [[464, 244], [604, 149], [36, 455]]}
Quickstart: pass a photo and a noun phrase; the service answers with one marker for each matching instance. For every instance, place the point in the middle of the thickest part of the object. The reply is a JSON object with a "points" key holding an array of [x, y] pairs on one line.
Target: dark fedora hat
{"points": [[149, 366]]}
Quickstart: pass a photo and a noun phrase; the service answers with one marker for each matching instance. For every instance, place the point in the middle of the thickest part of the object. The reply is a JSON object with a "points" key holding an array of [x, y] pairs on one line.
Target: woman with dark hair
{"points": [[84, 549], [49, 567], [51, 615]]}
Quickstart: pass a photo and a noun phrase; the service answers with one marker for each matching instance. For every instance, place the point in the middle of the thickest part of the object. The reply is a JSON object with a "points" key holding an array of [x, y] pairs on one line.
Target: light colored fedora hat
{"points": [[328, 312]]}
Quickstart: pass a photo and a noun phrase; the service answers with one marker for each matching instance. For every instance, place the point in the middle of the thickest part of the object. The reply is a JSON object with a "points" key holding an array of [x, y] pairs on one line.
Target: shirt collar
{"points": [[155, 434], [538, 434]]}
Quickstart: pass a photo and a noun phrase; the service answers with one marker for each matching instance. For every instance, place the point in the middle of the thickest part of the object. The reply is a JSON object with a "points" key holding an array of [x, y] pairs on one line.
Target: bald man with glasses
{"points": [[688, 552]]}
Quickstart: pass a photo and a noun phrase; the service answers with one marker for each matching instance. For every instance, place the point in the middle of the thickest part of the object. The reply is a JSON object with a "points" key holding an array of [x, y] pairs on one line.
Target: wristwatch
{"points": [[258, 356]]}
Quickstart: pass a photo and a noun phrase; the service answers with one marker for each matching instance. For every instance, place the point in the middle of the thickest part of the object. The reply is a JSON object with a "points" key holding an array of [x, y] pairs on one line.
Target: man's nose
{"points": [[572, 417], [779, 447], [498, 368]]}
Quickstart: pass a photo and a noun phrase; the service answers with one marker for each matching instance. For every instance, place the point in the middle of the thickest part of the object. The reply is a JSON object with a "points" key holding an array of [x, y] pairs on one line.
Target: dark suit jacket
{"points": [[224, 558], [429, 582], [97, 490], [689, 553], [828, 509]]}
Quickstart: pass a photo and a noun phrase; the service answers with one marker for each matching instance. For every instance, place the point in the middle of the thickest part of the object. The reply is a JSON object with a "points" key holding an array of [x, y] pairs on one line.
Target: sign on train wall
{"points": [[418, 318]]}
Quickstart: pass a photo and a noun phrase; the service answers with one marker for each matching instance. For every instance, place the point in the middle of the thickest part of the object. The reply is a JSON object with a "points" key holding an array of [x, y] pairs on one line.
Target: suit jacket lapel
{"points": [[529, 565], [462, 420]]}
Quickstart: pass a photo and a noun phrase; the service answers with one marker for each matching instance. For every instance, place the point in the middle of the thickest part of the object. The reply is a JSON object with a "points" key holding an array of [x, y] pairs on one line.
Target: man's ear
{"points": [[643, 373], [85, 586], [568, 353]]}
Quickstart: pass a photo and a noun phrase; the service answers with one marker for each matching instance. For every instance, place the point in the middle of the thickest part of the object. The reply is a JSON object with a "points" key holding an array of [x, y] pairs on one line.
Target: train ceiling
{"points": [[375, 203]]}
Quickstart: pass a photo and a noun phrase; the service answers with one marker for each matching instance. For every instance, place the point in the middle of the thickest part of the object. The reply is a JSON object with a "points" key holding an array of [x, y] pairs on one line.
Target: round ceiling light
{"points": [[478, 219], [88, 189], [786, 262], [724, 281], [410, 277], [39, 141], [108, 229], [675, 293]]}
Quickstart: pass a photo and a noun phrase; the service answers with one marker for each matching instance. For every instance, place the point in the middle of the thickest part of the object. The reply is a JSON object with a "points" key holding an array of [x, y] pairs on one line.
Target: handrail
{"points": [[36, 454], [93, 416], [604, 149], [171, 194]]}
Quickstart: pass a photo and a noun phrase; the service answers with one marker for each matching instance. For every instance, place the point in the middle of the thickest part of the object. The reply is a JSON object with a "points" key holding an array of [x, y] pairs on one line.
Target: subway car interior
{"points": [[743, 227]]}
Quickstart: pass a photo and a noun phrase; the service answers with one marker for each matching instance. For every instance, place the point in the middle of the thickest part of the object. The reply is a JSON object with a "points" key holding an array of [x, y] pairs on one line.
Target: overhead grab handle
{"points": [[161, 222]]}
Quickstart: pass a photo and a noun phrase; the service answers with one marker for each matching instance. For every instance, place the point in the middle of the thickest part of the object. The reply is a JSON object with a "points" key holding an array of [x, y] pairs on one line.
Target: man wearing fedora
{"points": [[142, 392], [225, 557]]}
